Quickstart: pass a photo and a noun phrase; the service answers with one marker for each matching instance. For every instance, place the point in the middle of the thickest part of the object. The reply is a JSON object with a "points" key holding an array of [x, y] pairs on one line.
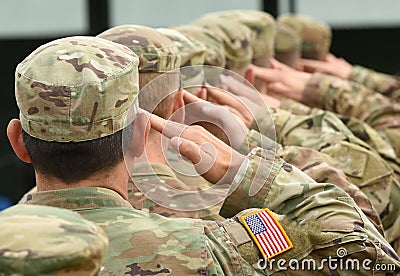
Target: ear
{"points": [[140, 133], [14, 134]]}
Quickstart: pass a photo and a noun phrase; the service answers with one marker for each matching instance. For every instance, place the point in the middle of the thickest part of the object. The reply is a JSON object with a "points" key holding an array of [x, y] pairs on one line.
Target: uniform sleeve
{"points": [[380, 82], [347, 98], [318, 218]]}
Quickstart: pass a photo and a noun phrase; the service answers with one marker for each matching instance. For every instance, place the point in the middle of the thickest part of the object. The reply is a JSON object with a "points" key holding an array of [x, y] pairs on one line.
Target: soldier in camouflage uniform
{"points": [[43, 240], [78, 89], [318, 36], [287, 45], [149, 180], [369, 171]]}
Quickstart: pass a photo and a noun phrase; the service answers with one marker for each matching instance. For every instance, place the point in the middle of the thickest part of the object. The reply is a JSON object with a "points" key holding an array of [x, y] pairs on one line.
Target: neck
{"points": [[154, 148], [115, 179]]}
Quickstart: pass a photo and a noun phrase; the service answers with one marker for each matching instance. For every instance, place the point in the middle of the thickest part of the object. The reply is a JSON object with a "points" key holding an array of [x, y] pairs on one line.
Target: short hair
{"points": [[157, 92], [74, 161]]}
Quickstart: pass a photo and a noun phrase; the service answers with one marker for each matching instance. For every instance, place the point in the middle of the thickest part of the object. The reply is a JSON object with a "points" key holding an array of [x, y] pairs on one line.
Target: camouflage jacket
{"points": [[383, 83], [323, 169], [155, 188], [324, 132], [337, 95], [322, 222], [359, 128]]}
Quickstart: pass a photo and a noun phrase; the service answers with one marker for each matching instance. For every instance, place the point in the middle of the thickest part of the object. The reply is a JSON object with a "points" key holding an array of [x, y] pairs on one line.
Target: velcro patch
{"points": [[267, 233]]}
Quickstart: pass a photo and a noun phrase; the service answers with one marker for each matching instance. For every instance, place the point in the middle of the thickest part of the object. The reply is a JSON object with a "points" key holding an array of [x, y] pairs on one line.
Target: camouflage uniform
{"points": [[320, 167], [336, 95], [320, 219], [287, 45], [42, 240], [316, 35], [383, 83], [326, 133]]}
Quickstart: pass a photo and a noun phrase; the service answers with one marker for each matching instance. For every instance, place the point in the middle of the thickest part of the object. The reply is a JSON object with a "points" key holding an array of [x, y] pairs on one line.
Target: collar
{"points": [[78, 198]]}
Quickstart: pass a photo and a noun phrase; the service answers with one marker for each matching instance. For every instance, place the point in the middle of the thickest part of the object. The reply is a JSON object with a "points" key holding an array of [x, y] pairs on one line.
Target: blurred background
{"points": [[365, 32]]}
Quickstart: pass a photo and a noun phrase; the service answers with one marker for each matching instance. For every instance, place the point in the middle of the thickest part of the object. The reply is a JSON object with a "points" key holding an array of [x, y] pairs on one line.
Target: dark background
{"points": [[375, 48]]}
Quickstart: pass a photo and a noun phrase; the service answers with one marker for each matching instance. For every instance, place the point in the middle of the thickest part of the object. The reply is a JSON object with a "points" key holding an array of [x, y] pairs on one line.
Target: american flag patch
{"points": [[267, 233]]}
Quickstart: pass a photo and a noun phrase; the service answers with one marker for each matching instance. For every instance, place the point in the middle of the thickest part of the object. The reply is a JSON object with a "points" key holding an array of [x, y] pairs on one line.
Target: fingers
{"points": [[190, 98], [187, 148], [168, 128]]}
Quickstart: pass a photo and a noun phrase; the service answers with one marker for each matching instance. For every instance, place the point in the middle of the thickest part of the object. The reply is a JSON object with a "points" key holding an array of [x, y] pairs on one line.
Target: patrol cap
{"points": [[237, 39], [43, 240], [76, 89], [316, 35], [287, 45], [261, 23], [157, 53], [192, 51], [215, 50]]}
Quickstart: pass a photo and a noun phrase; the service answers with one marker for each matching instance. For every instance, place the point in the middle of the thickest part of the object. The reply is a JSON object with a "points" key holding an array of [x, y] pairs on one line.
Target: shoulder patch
{"points": [[267, 233]]}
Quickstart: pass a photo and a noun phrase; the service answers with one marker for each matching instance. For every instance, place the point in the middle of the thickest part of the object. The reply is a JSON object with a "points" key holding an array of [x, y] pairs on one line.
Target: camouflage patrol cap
{"points": [[43, 240], [191, 50], [76, 89], [237, 38], [261, 23], [316, 35], [287, 45], [157, 53], [215, 50]]}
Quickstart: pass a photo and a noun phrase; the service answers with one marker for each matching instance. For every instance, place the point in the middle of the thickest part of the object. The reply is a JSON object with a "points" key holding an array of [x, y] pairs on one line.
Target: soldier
{"points": [[287, 45], [74, 94], [318, 35], [43, 240], [161, 182]]}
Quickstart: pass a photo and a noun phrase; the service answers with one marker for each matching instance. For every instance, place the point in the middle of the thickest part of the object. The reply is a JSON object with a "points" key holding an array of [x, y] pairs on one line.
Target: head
{"points": [[193, 54], [160, 60], [76, 95], [316, 35], [263, 26], [237, 39], [43, 240], [287, 45]]}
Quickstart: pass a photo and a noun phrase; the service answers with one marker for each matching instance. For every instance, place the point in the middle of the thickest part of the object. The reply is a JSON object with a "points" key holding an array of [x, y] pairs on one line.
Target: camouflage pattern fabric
{"points": [[323, 169], [237, 38], [215, 50], [156, 52], [383, 83], [360, 129], [148, 183], [43, 240], [316, 35], [365, 168], [287, 45], [52, 83], [191, 50], [318, 218], [339, 96], [261, 23]]}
